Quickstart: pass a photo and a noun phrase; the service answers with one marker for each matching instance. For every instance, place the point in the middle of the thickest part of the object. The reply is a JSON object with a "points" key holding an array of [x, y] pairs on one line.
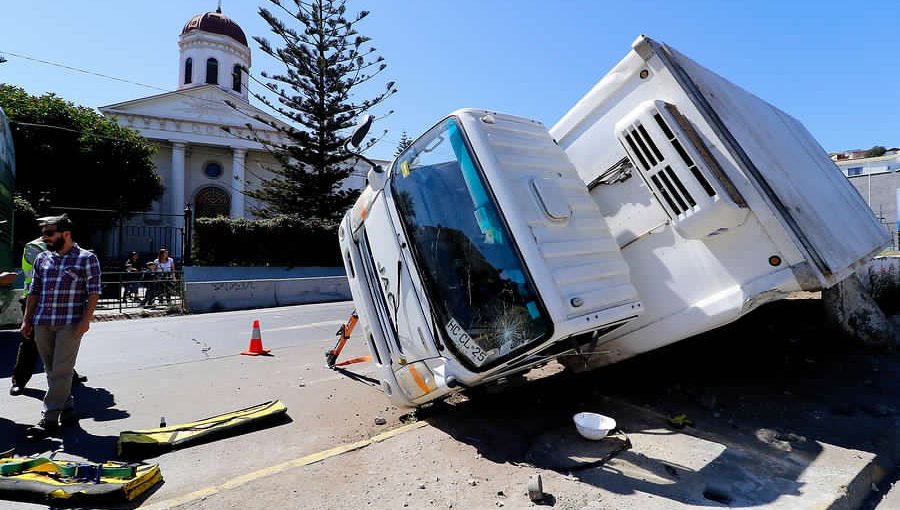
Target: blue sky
{"points": [[830, 64]]}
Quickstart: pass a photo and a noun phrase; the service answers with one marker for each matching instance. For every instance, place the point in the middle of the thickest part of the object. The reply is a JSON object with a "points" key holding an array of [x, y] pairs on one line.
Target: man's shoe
{"points": [[41, 430], [15, 390]]}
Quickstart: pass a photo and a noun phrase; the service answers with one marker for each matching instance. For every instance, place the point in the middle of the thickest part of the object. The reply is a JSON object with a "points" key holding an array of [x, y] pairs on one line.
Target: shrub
{"points": [[280, 241], [884, 285]]}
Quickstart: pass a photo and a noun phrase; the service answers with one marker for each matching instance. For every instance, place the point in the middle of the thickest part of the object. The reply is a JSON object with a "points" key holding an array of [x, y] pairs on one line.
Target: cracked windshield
{"points": [[483, 299]]}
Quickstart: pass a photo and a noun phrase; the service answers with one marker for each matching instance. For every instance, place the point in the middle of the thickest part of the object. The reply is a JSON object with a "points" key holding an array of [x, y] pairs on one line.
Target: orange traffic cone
{"points": [[256, 347]]}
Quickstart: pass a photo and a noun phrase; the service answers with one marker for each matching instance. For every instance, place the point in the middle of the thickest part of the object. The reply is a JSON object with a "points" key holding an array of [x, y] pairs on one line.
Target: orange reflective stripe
{"points": [[359, 359], [418, 378]]}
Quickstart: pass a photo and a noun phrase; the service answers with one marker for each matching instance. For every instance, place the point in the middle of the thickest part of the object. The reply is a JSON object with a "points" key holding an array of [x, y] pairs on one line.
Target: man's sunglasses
{"points": [[48, 232]]}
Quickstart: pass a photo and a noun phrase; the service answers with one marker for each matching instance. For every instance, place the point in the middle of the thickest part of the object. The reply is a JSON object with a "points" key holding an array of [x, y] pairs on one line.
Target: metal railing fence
{"points": [[123, 290], [894, 231]]}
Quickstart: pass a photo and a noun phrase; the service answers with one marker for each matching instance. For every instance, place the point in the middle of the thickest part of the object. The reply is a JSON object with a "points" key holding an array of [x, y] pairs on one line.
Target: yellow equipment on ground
{"points": [[39, 479], [139, 443]]}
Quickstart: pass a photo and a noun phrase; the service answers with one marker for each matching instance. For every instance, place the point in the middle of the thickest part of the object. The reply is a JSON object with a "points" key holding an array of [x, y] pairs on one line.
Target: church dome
{"points": [[216, 23]]}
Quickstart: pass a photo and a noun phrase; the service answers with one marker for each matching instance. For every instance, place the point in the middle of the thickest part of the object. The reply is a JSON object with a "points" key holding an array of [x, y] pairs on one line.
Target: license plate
{"points": [[464, 343]]}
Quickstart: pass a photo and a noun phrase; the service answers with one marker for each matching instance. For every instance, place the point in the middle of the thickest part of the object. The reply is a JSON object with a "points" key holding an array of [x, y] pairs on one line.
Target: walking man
{"points": [[59, 308], [27, 354]]}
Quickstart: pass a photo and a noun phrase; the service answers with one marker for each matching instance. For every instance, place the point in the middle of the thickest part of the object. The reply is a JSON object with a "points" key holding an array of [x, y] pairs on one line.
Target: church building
{"points": [[202, 165]]}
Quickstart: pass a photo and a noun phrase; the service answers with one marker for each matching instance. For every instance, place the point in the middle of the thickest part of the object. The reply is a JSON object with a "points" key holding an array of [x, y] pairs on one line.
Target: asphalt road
{"points": [[189, 367]]}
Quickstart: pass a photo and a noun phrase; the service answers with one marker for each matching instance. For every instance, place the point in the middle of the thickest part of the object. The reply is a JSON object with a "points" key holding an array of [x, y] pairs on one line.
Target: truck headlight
{"points": [[416, 379], [361, 209]]}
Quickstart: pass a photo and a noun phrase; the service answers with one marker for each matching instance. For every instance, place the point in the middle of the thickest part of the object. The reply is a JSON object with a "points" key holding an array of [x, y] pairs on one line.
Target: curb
{"points": [[138, 314], [861, 488], [886, 461]]}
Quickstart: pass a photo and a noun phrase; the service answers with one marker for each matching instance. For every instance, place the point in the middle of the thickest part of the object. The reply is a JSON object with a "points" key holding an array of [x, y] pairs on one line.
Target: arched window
{"points": [[188, 70], [236, 78], [210, 202], [212, 71]]}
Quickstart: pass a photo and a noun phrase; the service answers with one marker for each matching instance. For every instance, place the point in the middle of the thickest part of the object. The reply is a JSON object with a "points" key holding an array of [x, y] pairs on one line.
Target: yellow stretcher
{"points": [[39, 479], [137, 443]]}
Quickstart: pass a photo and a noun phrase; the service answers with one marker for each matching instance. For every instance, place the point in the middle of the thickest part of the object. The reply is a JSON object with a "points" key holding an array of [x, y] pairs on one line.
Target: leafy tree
{"points": [[69, 155], [325, 61], [25, 226], [875, 151], [405, 141]]}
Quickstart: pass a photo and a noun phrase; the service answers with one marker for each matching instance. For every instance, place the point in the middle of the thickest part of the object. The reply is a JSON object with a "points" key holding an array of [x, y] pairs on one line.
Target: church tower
{"points": [[214, 51]]}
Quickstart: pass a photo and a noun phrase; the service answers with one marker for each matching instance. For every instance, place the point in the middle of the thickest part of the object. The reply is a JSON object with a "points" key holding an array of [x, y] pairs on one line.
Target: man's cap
{"points": [[62, 222]]}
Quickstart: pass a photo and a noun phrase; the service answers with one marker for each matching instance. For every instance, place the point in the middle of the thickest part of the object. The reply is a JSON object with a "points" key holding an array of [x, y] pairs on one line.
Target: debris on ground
{"points": [[680, 421], [535, 487]]}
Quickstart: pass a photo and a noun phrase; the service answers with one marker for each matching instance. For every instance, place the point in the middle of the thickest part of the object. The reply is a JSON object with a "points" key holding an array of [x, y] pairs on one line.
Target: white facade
{"points": [[878, 182], [197, 156], [890, 162], [200, 163]]}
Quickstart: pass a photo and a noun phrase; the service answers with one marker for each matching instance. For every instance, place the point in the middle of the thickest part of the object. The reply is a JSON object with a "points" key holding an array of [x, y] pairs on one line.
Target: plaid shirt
{"points": [[62, 284]]}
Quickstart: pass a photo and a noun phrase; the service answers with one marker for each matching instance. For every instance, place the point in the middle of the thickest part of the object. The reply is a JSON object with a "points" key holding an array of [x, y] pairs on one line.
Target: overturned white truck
{"points": [[667, 202]]}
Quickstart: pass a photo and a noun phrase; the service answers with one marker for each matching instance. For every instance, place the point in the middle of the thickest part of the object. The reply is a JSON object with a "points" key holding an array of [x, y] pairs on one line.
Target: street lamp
{"points": [[188, 231]]}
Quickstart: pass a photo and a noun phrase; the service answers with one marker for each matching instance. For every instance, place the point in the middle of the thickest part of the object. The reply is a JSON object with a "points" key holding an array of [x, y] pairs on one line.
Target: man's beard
{"points": [[56, 245]]}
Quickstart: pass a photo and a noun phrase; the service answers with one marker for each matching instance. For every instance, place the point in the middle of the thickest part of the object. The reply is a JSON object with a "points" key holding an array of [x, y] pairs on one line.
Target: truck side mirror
{"points": [[359, 134], [361, 130]]}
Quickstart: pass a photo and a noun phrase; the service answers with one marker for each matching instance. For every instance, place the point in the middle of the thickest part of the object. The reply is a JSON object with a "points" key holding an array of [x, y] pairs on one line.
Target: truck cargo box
{"points": [[719, 200]]}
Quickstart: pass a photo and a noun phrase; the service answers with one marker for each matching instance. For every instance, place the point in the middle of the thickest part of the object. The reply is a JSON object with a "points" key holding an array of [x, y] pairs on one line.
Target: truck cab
{"points": [[477, 255]]}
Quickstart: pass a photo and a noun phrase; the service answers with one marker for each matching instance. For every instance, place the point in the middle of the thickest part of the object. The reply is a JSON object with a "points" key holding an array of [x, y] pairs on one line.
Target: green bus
{"points": [[8, 295], [7, 188]]}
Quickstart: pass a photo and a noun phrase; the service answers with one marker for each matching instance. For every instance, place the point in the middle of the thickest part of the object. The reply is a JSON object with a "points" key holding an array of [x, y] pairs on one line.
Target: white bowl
{"points": [[593, 426]]}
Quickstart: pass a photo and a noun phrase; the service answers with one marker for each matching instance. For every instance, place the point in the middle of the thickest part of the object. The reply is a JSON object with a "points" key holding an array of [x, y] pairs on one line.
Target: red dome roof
{"points": [[216, 23]]}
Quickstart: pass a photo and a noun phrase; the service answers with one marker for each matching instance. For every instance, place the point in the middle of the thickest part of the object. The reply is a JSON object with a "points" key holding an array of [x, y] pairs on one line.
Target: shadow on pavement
{"points": [[11, 434], [96, 403], [763, 393], [90, 403], [369, 381], [34, 393], [80, 443]]}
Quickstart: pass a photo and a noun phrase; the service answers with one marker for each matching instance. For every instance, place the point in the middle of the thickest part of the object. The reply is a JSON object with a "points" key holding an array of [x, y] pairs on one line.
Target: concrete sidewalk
{"points": [[891, 500], [459, 462], [469, 456]]}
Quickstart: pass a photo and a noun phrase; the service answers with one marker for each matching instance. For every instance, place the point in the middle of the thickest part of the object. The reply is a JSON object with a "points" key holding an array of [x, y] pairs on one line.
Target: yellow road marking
{"points": [[284, 466]]}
